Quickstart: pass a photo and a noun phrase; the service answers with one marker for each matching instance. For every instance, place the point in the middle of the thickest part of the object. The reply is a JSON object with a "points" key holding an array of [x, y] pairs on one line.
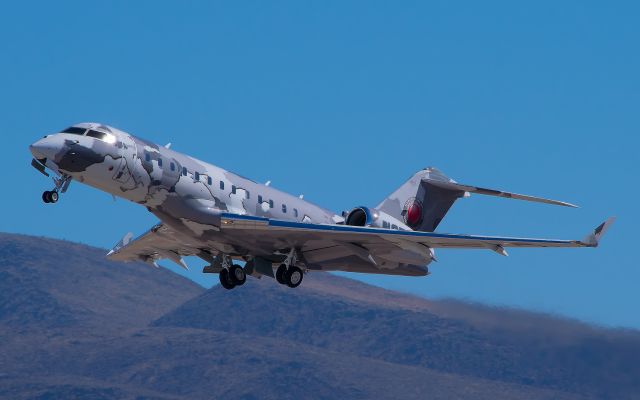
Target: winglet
{"points": [[593, 239]]}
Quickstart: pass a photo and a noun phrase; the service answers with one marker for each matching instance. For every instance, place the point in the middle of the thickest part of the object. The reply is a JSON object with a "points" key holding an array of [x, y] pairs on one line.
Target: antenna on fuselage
{"points": [[268, 183], [168, 145]]}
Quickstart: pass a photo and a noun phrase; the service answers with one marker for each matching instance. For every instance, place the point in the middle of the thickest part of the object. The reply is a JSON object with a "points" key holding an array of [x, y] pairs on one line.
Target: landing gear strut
{"points": [[288, 273], [61, 186]]}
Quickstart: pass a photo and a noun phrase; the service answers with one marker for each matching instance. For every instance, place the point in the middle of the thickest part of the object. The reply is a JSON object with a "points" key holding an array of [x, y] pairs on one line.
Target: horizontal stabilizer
{"points": [[593, 238], [451, 185]]}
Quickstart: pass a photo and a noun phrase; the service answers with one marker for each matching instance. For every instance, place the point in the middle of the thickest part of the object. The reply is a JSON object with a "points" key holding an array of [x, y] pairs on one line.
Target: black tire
{"points": [[294, 277], [45, 197], [225, 282], [280, 274], [237, 275], [53, 196]]}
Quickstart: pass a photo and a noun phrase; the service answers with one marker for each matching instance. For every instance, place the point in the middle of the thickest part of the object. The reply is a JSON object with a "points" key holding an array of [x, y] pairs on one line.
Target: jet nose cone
{"points": [[44, 148], [33, 148]]}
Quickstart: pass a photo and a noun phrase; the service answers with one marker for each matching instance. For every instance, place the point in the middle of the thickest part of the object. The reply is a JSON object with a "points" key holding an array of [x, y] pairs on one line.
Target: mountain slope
{"points": [[53, 283], [74, 325], [349, 317], [201, 364]]}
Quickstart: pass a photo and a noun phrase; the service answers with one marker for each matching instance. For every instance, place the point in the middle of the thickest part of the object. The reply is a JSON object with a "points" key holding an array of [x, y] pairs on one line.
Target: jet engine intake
{"points": [[359, 216], [371, 217]]}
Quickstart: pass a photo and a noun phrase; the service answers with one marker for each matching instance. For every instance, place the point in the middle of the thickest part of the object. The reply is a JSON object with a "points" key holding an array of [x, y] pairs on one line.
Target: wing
{"points": [[157, 243], [328, 247], [374, 245], [297, 233]]}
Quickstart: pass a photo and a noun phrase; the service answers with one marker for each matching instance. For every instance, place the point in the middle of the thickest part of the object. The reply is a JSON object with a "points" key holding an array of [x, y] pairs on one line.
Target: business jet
{"points": [[224, 218]]}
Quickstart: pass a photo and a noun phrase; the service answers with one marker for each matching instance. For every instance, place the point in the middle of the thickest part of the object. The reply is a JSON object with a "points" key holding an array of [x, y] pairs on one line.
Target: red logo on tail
{"points": [[412, 212]]}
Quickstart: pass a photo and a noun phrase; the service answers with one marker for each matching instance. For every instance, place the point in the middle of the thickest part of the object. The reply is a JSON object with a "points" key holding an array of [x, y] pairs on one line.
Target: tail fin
{"points": [[423, 200]]}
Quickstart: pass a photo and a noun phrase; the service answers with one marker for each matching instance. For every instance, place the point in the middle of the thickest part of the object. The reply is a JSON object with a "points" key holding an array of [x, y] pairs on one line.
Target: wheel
{"points": [[225, 282], [280, 273], [294, 277], [237, 275], [45, 197], [53, 196]]}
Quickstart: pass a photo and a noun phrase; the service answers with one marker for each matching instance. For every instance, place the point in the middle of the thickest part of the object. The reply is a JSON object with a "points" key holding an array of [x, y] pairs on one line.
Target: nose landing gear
{"points": [[61, 186], [50, 196]]}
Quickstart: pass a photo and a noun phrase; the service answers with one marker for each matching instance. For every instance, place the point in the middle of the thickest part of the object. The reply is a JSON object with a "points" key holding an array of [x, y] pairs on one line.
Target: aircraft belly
{"points": [[319, 255], [356, 264]]}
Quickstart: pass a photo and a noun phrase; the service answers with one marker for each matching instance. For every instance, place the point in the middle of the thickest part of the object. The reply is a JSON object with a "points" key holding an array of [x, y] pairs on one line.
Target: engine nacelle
{"points": [[371, 217]]}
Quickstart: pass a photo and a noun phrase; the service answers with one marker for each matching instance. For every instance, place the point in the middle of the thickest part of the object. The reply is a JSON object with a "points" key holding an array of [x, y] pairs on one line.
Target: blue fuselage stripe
{"points": [[357, 229]]}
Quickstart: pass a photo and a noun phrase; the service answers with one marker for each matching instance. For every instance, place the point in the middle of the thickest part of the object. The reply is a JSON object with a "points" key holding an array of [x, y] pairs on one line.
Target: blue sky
{"points": [[343, 101]]}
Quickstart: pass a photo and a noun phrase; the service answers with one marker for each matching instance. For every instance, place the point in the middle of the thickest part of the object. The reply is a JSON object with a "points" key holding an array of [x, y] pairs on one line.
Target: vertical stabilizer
{"points": [[419, 202]]}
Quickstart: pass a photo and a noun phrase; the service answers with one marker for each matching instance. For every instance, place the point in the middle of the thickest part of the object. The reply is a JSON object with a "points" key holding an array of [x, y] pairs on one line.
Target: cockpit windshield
{"points": [[104, 136], [107, 137], [74, 130]]}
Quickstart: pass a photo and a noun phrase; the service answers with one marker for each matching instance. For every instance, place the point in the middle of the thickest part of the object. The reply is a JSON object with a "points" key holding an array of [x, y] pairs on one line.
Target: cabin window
{"points": [[259, 199], [196, 176], [270, 203], [209, 181], [233, 189], [295, 212], [147, 156], [160, 162], [284, 208], [394, 226], [247, 194], [184, 171], [221, 185], [172, 166], [385, 224]]}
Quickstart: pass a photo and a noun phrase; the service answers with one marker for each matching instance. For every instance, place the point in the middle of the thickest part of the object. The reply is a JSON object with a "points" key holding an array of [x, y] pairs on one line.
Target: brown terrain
{"points": [[74, 325]]}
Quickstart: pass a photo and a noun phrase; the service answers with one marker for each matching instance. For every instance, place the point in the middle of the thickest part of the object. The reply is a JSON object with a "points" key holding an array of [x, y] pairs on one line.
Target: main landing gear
{"points": [[291, 276], [61, 186], [288, 273], [231, 275]]}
